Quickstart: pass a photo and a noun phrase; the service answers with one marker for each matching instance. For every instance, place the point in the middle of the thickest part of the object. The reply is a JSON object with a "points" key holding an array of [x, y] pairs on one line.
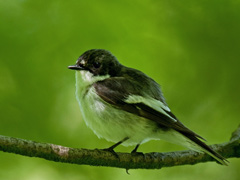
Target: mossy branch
{"points": [[98, 157]]}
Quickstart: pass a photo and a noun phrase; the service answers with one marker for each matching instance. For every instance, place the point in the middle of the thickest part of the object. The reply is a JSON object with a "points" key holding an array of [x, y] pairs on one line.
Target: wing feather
{"points": [[113, 91], [130, 96]]}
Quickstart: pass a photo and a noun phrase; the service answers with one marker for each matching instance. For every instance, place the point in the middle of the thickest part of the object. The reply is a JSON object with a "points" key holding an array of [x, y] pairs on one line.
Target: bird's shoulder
{"points": [[130, 82], [135, 92]]}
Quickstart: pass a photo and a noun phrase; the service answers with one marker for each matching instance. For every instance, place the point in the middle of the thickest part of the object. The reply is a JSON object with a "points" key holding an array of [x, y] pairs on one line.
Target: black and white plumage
{"points": [[124, 105]]}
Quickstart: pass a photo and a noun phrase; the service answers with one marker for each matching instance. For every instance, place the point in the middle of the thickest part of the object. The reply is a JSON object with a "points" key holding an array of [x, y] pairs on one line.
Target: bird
{"points": [[125, 106]]}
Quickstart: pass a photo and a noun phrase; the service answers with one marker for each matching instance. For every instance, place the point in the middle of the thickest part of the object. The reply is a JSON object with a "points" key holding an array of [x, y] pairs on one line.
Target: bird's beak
{"points": [[76, 67]]}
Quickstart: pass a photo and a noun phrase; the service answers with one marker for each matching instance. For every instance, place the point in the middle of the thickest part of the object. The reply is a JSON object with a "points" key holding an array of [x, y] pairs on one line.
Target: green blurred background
{"points": [[190, 47]]}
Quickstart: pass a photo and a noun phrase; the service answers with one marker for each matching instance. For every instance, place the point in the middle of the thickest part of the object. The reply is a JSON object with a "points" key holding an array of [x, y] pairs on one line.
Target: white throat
{"points": [[86, 78]]}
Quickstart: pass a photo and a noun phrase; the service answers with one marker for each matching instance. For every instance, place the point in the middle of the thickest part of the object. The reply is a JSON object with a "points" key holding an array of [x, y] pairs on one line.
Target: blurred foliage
{"points": [[190, 47]]}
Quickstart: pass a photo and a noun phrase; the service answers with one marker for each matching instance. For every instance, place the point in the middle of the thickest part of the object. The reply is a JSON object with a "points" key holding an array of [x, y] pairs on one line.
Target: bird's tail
{"points": [[199, 145], [192, 142]]}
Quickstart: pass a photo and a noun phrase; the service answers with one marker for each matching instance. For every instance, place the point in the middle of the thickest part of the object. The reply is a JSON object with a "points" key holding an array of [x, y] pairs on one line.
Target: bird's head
{"points": [[98, 62]]}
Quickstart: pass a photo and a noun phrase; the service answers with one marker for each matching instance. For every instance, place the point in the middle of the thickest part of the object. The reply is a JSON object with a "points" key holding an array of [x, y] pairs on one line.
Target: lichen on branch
{"points": [[98, 157]]}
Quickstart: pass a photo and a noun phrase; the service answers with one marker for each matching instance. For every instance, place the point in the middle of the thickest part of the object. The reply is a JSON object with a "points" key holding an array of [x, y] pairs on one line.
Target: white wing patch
{"points": [[153, 103]]}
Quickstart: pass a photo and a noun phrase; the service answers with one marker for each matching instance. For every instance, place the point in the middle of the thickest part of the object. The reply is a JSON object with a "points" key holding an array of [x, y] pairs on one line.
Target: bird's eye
{"points": [[96, 64]]}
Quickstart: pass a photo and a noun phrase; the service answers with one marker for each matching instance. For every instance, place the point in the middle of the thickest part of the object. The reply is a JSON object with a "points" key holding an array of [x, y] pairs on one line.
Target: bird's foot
{"points": [[134, 153], [110, 149]]}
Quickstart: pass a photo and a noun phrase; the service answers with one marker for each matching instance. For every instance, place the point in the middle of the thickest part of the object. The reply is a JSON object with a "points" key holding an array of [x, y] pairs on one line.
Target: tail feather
{"points": [[205, 148]]}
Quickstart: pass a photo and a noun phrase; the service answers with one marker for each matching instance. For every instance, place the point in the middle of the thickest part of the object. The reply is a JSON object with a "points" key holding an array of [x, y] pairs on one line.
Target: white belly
{"points": [[114, 124]]}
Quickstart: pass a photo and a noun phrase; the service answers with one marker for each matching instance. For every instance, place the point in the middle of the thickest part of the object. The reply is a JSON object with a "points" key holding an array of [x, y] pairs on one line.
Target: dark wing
{"points": [[113, 91]]}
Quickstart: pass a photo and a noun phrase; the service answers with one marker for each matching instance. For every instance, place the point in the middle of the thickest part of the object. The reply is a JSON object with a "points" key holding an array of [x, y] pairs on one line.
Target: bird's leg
{"points": [[110, 149], [134, 151], [120, 142]]}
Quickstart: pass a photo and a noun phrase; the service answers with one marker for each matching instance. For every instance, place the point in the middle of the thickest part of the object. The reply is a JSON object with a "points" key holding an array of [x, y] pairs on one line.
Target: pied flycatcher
{"points": [[125, 106]]}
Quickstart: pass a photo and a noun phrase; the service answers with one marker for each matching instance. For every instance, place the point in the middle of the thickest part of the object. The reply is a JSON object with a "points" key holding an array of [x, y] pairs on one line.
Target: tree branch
{"points": [[98, 157]]}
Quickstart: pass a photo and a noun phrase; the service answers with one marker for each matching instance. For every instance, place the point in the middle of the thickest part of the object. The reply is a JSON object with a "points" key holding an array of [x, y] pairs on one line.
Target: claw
{"points": [[137, 154], [111, 151]]}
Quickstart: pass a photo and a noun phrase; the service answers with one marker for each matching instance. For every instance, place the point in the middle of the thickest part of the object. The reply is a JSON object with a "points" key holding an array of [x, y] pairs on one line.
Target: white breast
{"points": [[114, 124], [108, 122]]}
